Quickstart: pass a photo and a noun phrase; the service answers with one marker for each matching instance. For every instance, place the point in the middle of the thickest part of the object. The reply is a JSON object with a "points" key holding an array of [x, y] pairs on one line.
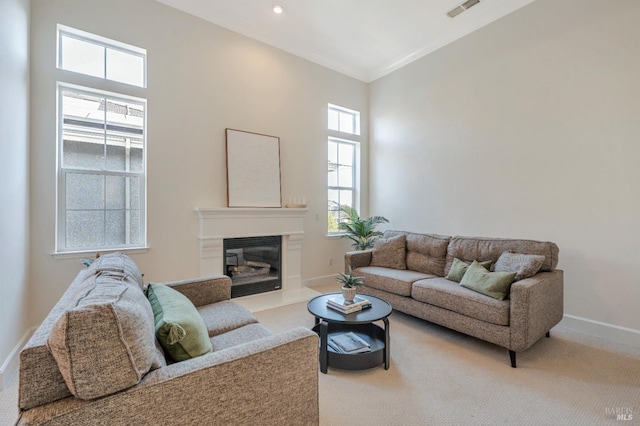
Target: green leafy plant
{"points": [[349, 281], [361, 231]]}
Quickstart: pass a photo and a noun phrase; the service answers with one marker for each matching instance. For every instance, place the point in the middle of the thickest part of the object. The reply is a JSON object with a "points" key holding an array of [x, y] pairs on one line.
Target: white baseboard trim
{"points": [[314, 282], [11, 364], [616, 333]]}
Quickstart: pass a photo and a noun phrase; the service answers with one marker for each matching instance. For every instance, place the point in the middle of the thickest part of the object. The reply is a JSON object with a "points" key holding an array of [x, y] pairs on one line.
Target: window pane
{"points": [[345, 176], [82, 130], [125, 130], [116, 193], [125, 67], [84, 228], [345, 154], [135, 236], [134, 193], [333, 175], [333, 220], [333, 152], [84, 192], [83, 154], [135, 158], [333, 199], [346, 198], [82, 56], [334, 123], [346, 123], [115, 228]]}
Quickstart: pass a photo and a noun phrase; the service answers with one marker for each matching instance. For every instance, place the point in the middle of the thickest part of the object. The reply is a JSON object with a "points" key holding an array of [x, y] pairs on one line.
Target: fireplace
{"points": [[254, 264], [219, 224]]}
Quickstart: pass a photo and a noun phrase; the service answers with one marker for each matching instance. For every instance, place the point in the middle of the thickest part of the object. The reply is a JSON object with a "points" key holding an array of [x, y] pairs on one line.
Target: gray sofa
{"points": [[95, 360], [417, 286]]}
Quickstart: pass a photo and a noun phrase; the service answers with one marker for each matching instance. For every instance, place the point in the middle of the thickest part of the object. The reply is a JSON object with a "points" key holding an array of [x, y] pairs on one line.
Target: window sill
{"points": [[92, 253]]}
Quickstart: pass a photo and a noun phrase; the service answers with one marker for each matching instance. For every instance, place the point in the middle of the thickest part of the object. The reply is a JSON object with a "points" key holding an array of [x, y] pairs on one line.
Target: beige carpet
{"points": [[440, 377]]}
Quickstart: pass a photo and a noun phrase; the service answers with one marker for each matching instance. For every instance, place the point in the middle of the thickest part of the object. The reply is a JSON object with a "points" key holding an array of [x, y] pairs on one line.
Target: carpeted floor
{"points": [[441, 377]]}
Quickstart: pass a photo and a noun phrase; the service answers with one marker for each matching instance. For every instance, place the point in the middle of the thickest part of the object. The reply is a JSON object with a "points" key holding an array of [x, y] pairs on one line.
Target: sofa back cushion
{"points": [[105, 343], [390, 252], [426, 253], [469, 249], [118, 264]]}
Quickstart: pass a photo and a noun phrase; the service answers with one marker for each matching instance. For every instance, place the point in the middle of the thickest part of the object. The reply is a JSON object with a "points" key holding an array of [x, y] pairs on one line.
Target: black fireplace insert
{"points": [[254, 264]]}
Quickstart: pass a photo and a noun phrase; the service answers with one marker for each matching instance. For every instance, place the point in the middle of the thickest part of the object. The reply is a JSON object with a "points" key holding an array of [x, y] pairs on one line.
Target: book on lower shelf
{"points": [[349, 343], [339, 304]]}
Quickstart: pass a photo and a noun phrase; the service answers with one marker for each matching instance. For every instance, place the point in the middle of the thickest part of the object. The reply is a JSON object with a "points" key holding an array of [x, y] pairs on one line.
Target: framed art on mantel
{"points": [[253, 170]]}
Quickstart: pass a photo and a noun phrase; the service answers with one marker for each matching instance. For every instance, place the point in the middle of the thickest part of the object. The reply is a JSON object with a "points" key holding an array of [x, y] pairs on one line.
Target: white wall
{"points": [[527, 128], [14, 174], [201, 80]]}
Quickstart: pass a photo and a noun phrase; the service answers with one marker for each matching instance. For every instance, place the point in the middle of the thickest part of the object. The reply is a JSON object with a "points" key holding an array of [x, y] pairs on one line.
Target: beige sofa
{"points": [[109, 369], [416, 285]]}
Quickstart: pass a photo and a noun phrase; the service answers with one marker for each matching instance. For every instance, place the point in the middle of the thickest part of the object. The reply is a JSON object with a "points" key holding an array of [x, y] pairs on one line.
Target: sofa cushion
{"points": [[426, 253], [469, 249], [104, 342], [239, 336], [224, 316], [449, 295], [458, 269], [118, 264], [178, 326], [524, 265], [390, 252], [493, 284], [395, 281]]}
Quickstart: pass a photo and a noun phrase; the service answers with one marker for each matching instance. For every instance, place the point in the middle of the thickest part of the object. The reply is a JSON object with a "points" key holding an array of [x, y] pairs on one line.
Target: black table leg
{"points": [[324, 354], [387, 343]]}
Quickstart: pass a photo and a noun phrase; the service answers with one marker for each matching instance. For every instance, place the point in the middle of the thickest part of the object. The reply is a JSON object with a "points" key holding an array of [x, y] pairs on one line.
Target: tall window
{"points": [[101, 157], [343, 158]]}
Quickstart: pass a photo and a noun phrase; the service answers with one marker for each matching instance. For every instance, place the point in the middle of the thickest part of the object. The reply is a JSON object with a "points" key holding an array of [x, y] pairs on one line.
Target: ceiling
{"points": [[365, 39]]}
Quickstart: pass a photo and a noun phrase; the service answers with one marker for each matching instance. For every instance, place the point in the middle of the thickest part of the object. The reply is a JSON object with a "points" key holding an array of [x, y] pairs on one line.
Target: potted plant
{"points": [[361, 231], [349, 284]]}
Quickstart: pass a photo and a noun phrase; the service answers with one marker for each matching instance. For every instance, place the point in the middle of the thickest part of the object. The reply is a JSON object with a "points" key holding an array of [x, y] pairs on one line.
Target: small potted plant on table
{"points": [[349, 284]]}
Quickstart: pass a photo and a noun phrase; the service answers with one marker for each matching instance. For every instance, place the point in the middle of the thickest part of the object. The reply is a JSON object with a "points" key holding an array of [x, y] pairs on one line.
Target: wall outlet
{"points": [[330, 261]]}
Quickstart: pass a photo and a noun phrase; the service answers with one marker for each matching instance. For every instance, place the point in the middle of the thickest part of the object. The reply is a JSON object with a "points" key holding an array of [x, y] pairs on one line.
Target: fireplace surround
{"points": [[216, 224]]}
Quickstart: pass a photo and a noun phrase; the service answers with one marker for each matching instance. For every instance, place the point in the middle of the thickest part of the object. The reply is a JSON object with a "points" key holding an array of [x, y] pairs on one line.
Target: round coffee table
{"points": [[329, 322]]}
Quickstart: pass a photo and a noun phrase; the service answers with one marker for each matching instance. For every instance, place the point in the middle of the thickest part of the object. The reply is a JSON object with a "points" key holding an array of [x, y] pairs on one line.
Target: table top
{"points": [[379, 309]]}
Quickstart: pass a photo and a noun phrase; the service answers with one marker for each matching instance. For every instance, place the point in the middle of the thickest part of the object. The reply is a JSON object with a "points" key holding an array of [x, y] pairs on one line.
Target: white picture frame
{"points": [[253, 170]]}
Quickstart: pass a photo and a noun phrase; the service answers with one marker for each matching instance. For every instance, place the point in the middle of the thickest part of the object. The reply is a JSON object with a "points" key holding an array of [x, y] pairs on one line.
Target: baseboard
{"points": [[11, 364], [317, 281], [616, 333]]}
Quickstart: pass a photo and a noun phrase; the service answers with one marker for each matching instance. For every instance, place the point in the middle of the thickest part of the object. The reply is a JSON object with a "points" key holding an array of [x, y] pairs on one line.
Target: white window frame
{"points": [[342, 111], [107, 43], [338, 136], [62, 171]]}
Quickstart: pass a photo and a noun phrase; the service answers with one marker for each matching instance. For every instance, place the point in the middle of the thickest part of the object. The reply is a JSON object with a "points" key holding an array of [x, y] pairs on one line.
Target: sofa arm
{"points": [[270, 381], [537, 304], [204, 291], [357, 259]]}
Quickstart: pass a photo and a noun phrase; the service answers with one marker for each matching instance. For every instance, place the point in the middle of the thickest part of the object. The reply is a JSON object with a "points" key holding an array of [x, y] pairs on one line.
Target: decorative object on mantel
{"points": [[349, 284], [253, 170], [296, 203], [361, 231]]}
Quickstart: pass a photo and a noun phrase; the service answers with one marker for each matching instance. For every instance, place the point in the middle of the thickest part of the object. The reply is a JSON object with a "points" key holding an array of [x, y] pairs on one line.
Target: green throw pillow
{"points": [[179, 327], [494, 284], [459, 267]]}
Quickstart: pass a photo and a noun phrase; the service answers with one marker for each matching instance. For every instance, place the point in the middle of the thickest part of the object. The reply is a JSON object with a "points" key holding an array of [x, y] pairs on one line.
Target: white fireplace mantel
{"points": [[216, 224]]}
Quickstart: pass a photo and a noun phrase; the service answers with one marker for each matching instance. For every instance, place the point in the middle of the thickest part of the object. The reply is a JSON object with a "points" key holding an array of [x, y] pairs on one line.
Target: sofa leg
{"points": [[512, 356], [548, 334]]}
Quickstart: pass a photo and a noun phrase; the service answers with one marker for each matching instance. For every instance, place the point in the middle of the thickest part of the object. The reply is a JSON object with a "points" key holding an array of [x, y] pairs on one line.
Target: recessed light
{"points": [[278, 8]]}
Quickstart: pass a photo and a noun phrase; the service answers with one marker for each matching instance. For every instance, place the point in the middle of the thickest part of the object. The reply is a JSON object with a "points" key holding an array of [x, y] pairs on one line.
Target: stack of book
{"points": [[339, 304], [348, 343]]}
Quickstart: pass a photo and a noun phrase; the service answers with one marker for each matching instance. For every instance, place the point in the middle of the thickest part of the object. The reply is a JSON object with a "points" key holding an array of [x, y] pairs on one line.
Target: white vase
{"points": [[348, 293]]}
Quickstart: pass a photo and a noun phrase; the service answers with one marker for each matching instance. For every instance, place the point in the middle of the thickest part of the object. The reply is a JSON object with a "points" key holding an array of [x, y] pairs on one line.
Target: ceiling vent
{"points": [[461, 8]]}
